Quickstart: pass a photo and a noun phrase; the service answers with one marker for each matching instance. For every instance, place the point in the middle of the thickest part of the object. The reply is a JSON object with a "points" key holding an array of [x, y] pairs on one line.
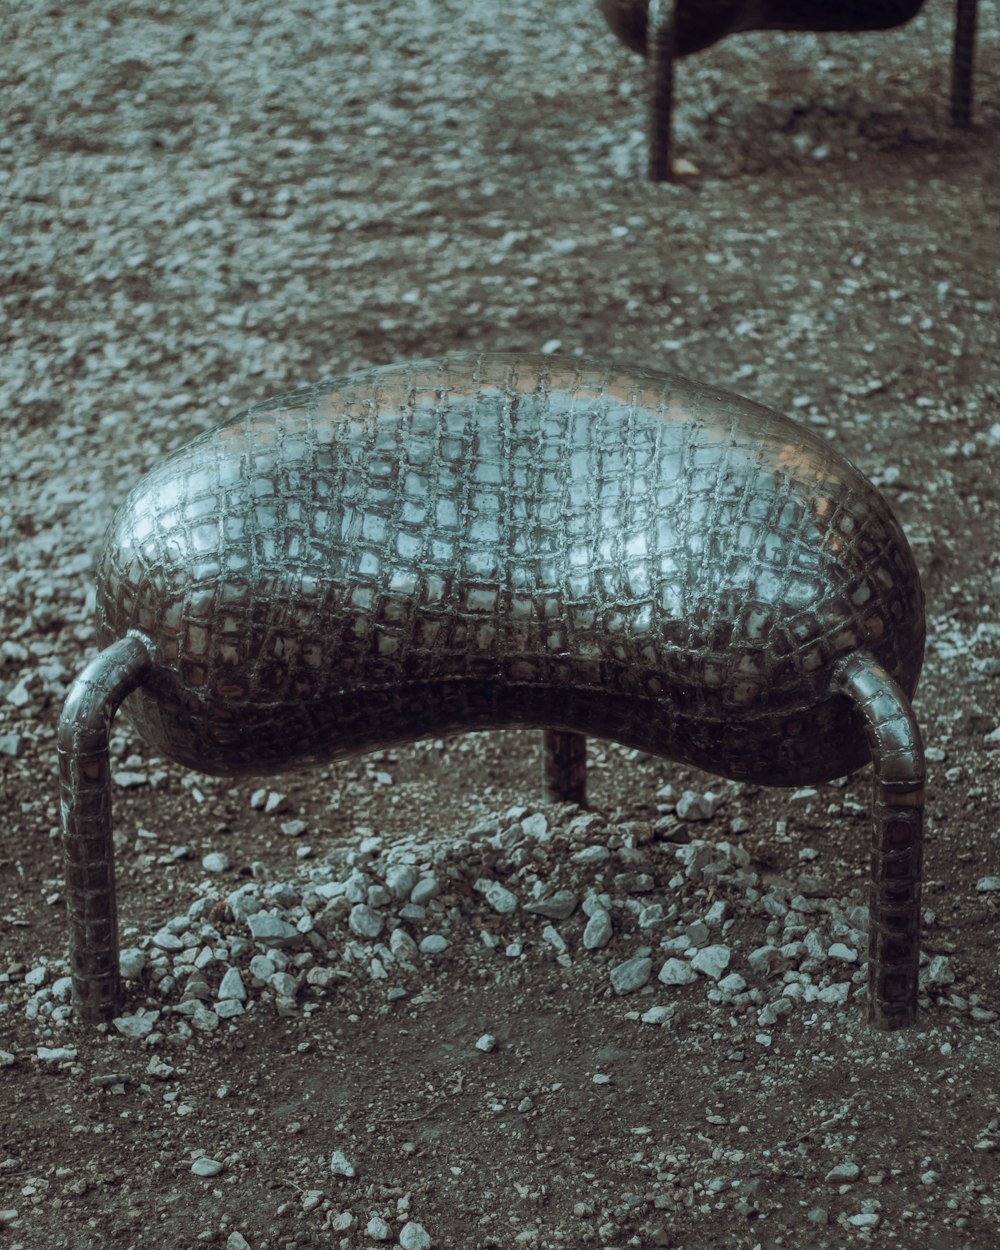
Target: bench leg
{"points": [[660, 85], [85, 809], [897, 839], [564, 767], [963, 57]]}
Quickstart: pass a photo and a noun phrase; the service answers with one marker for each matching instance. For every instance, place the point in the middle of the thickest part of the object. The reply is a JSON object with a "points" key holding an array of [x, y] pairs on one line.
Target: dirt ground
{"points": [[204, 205]]}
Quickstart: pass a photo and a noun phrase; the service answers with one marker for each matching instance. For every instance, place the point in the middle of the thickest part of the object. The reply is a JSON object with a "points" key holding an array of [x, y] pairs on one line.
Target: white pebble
{"points": [[339, 1164], [413, 1236], [204, 1166], [232, 987]]}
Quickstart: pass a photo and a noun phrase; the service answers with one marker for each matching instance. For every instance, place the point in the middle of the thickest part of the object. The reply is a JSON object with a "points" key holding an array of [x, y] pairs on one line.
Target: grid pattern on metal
{"points": [[490, 541]]}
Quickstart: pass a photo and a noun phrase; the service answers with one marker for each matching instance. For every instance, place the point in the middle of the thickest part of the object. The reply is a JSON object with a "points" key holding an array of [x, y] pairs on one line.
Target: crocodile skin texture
{"points": [[488, 541]]}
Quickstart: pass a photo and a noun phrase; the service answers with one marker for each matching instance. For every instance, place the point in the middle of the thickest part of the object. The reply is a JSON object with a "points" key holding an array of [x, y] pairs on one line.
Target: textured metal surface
{"points": [[662, 30], [484, 542]]}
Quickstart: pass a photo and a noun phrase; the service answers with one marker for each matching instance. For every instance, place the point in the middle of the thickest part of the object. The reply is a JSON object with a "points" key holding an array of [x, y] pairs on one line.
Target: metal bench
{"points": [[487, 541]]}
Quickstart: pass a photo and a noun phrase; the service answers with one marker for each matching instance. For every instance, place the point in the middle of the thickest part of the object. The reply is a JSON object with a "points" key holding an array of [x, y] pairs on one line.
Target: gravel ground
{"points": [[396, 1001]]}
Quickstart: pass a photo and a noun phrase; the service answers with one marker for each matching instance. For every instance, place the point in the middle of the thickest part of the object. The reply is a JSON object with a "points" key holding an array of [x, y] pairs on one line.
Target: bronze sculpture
{"points": [[666, 30], [486, 541]]}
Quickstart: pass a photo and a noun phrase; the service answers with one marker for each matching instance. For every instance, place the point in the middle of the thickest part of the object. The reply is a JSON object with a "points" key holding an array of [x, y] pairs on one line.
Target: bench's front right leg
{"points": [[85, 810]]}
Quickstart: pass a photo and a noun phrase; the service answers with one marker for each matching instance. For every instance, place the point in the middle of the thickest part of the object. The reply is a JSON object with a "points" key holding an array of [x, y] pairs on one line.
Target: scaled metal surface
{"points": [[483, 542]]}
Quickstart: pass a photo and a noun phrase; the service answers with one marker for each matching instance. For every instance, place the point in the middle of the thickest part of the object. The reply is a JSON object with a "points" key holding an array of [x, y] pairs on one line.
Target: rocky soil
{"points": [[398, 1001]]}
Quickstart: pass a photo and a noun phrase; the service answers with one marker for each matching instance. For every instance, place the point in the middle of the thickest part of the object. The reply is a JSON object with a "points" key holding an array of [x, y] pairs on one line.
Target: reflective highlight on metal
{"points": [[486, 541], [665, 30]]}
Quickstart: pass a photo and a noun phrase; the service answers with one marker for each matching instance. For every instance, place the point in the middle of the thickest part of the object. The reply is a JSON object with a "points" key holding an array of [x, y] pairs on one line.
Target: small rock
{"points": [[486, 1043], [558, 906], [294, 828], [867, 1219], [56, 1054], [342, 1222], [364, 921], [424, 890], [598, 930], [694, 806], [10, 744], [763, 959], [7, 1060], [311, 1198], [270, 931], [139, 1025], [841, 951], [131, 962], [535, 825], [412, 1236], [340, 1166], [631, 975], [591, 855], [772, 1012], [818, 1216], [204, 1166], [677, 972], [128, 780], [497, 895], [434, 944], [843, 1174], [940, 971], [378, 1229], [987, 885], [275, 803], [236, 1241], [400, 880], [215, 861], [232, 987], [204, 1018], [712, 961], [835, 995]]}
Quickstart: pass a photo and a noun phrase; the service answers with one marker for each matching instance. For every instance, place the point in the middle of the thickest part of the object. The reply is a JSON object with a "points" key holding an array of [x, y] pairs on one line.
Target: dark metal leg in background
{"points": [[660, 86], [897, 839], [564, 767], [962, 60], [85, 805]]}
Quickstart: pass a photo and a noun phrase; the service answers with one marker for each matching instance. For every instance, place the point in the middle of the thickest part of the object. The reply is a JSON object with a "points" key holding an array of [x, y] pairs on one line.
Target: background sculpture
{"points": [[666, 30]]}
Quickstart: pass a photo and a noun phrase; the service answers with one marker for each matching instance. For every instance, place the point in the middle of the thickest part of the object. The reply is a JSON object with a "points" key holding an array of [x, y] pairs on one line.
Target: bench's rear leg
{"points": [[897, 838], [660, 85], [564, 767], [85, 809], [963, 57]]}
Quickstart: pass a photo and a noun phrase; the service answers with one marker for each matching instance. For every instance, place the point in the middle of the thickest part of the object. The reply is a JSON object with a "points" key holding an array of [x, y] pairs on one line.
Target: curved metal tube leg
{"points": [[963, 56], [85, 807], [660, 86], [897, 839], [564, 767]]}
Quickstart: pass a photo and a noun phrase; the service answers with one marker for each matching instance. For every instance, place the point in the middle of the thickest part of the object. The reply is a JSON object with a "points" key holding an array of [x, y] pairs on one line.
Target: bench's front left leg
{"points": [[85, 810], [897, 838]]}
